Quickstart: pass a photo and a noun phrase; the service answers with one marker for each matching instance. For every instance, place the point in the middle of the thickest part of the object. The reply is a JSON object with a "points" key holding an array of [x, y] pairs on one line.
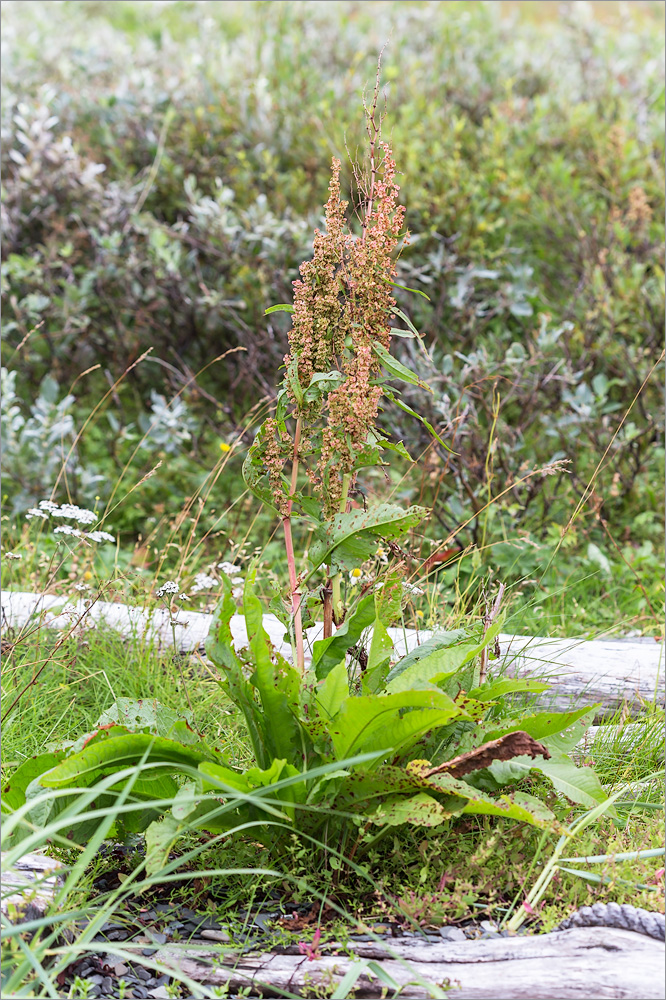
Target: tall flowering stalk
{"points": [[339, 340]]}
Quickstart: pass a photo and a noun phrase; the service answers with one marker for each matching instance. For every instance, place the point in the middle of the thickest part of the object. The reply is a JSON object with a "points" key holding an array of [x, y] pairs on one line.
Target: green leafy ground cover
{"points": [[468, 867]]}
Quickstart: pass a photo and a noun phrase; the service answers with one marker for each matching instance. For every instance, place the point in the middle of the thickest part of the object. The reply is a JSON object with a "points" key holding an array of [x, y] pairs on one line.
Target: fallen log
{"points": [[28, 885], [582, 963], [615, 673]]}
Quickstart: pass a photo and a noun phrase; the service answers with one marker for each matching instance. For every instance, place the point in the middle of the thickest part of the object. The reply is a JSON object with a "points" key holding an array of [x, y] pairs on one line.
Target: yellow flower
{"points": [[356, 573], [87, 575], [419, 614], [224, 447]]}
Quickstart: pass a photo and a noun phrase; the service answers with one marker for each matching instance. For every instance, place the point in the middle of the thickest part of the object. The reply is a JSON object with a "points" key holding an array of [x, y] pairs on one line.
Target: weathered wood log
{"points": [[582, 963], [31, 881], [612, 672]]}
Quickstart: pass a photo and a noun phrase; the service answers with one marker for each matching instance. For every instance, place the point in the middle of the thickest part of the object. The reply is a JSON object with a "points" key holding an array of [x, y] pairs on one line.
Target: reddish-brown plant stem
{"points": [[291, 560], [328, 609]]}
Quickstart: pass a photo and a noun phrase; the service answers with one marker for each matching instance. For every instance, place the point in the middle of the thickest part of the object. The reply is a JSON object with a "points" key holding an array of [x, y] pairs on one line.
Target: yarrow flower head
{"points": [[99, 536], [35, 512], [13, 555], [70, 511], [168, 588], [203, 581], [228, 568], [67, 529]]}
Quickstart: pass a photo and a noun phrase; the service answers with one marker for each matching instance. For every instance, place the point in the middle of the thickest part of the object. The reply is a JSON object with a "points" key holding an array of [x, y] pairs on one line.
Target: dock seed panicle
{"points": [[342, 306]]}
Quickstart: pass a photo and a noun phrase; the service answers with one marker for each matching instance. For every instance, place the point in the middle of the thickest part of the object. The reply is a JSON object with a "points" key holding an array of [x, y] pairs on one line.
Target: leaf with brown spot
{"points": [[518, 744]]}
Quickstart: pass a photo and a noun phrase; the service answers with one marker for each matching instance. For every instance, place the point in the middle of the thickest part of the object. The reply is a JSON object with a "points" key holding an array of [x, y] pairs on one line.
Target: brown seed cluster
{"points": [[274, 458], [342, 308]]}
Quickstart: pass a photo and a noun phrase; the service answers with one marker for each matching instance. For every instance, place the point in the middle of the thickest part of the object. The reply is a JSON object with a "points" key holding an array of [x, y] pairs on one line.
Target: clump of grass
{"points": [[88, 672]]}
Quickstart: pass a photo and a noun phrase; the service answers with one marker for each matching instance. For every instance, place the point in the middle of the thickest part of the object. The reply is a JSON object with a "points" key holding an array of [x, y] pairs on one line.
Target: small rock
{"points": [[106, 986], [140, 992], [120, 969], [488, 925], [215, 935], [120, 935], [159, 938], [148, 951], [161, 993], [452, 934], [143, 973], [261, 920]]}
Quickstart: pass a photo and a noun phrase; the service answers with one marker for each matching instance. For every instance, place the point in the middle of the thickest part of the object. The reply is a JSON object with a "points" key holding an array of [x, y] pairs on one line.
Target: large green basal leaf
{"points": [[114, 752], [439, 640], [332, 691], [13, 793], [278, 685], [518, 805], [539, 726], [277, 803], [418, 810], [442, 659], [147, 714], [579, 784], [502, 687], [389, 722], [219, 648]]}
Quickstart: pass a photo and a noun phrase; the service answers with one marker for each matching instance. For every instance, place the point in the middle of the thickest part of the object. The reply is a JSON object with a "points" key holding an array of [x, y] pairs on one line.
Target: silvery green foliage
{"points": [[35, 446], [168, 427]]}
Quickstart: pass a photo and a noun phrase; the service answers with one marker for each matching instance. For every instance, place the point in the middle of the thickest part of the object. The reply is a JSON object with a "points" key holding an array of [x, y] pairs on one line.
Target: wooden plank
{"points": [[612, 672], [592, 963]]}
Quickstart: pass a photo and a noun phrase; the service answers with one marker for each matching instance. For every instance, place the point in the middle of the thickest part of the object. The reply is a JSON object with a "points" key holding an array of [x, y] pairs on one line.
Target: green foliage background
{"points": [[164, 166]]}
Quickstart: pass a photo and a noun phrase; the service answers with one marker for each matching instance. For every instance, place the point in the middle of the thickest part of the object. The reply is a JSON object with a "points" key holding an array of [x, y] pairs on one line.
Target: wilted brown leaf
{"points": [[518, 744]]}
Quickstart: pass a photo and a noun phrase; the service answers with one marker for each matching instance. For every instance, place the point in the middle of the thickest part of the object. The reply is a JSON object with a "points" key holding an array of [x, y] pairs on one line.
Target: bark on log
{"points": [[591, 963], [613, 672]]}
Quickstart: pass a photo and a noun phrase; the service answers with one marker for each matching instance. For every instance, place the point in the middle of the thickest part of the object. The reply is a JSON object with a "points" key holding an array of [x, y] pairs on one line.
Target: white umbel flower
{"points": [[99, 536], [67, 529], [228, 568], [203, 581], [75, 513], [168, 588]]}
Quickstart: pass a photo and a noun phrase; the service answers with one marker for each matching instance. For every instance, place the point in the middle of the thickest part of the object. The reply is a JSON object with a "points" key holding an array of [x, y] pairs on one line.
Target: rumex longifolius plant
{"points": [[337, 738]]}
